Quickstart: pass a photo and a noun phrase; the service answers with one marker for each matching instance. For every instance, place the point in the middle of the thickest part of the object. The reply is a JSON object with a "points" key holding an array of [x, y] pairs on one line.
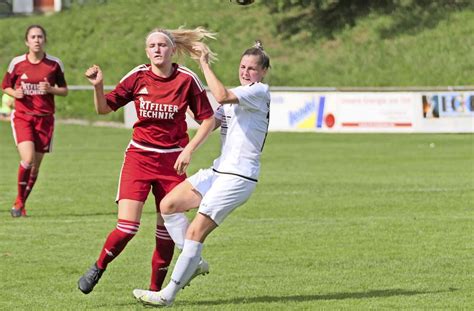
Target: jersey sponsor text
{"points": [[149, 109], [31, 89]]}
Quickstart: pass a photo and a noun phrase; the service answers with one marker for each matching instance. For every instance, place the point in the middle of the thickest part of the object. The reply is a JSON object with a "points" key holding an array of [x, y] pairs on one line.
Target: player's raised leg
{"points": [[181, 199]]}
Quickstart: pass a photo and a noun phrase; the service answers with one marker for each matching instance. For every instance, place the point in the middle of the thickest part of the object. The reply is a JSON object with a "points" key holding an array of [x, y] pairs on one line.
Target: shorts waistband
{"points": [[234, 174], [159, 150]]}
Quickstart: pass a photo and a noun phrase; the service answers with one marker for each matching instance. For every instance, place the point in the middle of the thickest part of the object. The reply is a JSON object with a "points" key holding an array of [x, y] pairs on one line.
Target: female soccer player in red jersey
{"points": [[160, 150], [33, 79]]}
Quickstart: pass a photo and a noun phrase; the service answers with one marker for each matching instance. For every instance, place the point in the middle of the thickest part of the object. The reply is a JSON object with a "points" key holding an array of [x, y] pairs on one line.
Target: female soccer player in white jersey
{"points": [[243, 116], [33, 79], [160, 150]]}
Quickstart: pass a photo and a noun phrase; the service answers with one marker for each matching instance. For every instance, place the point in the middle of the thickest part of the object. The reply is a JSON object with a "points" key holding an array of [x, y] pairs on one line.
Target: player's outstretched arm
{"points": [[218, 90], [95, 77]]}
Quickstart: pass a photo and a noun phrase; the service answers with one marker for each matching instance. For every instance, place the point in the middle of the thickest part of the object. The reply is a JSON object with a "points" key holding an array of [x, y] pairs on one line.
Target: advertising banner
{"points": [[371, 112], [364, 112], [454, 104]]}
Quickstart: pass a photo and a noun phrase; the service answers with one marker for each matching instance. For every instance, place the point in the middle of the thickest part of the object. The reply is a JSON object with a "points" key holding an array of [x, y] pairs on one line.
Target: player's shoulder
{"points": [[15, 61], [259, 86], [188, 74], [56, 60], [256, 88], [136, 72]]}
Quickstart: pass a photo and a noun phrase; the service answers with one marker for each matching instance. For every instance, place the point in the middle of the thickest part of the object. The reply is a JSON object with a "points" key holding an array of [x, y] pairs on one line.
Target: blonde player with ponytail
{"points": [[243, 115], [160, 150]]}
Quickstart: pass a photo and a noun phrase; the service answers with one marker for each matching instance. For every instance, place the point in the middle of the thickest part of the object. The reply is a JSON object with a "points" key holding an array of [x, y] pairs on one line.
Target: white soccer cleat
{"points": [[202, 269], [150, 298]]}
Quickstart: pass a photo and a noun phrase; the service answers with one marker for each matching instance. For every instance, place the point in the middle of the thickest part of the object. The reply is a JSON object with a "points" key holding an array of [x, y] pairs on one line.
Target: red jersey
{"points": [[161, 104], [22, 73]]}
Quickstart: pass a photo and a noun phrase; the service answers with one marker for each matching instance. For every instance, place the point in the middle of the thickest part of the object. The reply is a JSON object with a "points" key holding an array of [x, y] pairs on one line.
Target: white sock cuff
{"points": [[176, 224], [192, 248], [174, 219]]}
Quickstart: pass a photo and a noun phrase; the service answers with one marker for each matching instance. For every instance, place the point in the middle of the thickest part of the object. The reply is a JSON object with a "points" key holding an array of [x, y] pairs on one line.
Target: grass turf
{"points": [[379, 221]]}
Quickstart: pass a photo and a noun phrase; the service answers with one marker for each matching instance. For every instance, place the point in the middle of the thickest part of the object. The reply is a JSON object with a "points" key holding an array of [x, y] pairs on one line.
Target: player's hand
{"points": [[18, 93], [45, 86], [204, 52], [182, 162], [94, 75]]}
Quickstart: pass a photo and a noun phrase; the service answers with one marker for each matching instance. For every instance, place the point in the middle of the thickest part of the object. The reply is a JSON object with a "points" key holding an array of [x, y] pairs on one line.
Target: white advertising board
{"points": [[364, 112]]}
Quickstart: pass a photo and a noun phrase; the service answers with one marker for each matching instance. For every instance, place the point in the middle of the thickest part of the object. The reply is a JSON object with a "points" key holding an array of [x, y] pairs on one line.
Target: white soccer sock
{"points": [[176, 224], [186, 265]]}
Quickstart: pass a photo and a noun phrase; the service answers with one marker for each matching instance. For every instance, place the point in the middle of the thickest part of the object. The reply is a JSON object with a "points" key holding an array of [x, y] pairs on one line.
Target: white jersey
{"points": [[244, 127]]}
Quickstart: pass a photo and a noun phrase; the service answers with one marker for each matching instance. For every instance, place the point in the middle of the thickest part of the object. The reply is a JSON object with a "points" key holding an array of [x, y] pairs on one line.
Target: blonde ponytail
{"points": [[185, 39]]}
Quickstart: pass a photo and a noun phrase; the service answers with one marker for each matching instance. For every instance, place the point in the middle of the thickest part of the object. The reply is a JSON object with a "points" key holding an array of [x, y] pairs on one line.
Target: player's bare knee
{"points": [[195, 234], [199, 229], [168, 206]]}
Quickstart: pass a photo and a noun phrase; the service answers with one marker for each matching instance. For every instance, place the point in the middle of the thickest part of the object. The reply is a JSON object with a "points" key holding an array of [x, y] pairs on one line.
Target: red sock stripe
{"points": [[130, 222], [127, 226], [162, 233]]}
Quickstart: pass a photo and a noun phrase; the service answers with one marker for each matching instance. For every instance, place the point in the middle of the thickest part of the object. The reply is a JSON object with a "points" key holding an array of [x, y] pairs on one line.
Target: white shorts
{"points": [[221, 193]]}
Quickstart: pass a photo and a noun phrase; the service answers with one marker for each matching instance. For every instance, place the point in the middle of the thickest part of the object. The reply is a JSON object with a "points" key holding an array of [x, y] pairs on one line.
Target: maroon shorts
{"points": [[143, 170], [38, 129]]}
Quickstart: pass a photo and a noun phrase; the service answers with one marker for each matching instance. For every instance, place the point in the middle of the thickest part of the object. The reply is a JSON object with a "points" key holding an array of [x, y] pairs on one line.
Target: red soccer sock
{"points": [[116, 241], [161, 258], [24, 171], [30, 185]]}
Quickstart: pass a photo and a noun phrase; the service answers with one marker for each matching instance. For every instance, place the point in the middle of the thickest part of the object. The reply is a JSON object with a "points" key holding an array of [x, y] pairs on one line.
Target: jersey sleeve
{"points": [[253, 96], [8, 81], [199, 102], [9, 78], [60, 79], [122, 94]]}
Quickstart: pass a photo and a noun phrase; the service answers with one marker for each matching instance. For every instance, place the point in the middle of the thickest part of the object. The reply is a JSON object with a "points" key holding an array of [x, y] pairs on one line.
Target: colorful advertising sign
{"points": [[454, 104]]}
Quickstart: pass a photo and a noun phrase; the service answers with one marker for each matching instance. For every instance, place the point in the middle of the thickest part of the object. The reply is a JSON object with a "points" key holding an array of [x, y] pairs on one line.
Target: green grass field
{"points": [[353, 222]]}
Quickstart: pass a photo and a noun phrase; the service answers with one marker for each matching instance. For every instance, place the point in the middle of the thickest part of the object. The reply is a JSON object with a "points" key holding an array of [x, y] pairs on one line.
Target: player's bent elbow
{"points": [[220, 98], [102, 110], [225, 97]]}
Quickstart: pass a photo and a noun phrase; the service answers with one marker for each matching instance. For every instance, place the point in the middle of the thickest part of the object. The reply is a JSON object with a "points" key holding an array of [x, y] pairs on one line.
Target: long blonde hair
{"points": [[184, 40]]}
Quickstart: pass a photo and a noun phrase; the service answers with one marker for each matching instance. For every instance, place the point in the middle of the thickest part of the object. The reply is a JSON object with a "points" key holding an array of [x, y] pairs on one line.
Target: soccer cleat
{"points": [[151, 298], [15, 212], [90, 279], [202, 269], [18, 209]]}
